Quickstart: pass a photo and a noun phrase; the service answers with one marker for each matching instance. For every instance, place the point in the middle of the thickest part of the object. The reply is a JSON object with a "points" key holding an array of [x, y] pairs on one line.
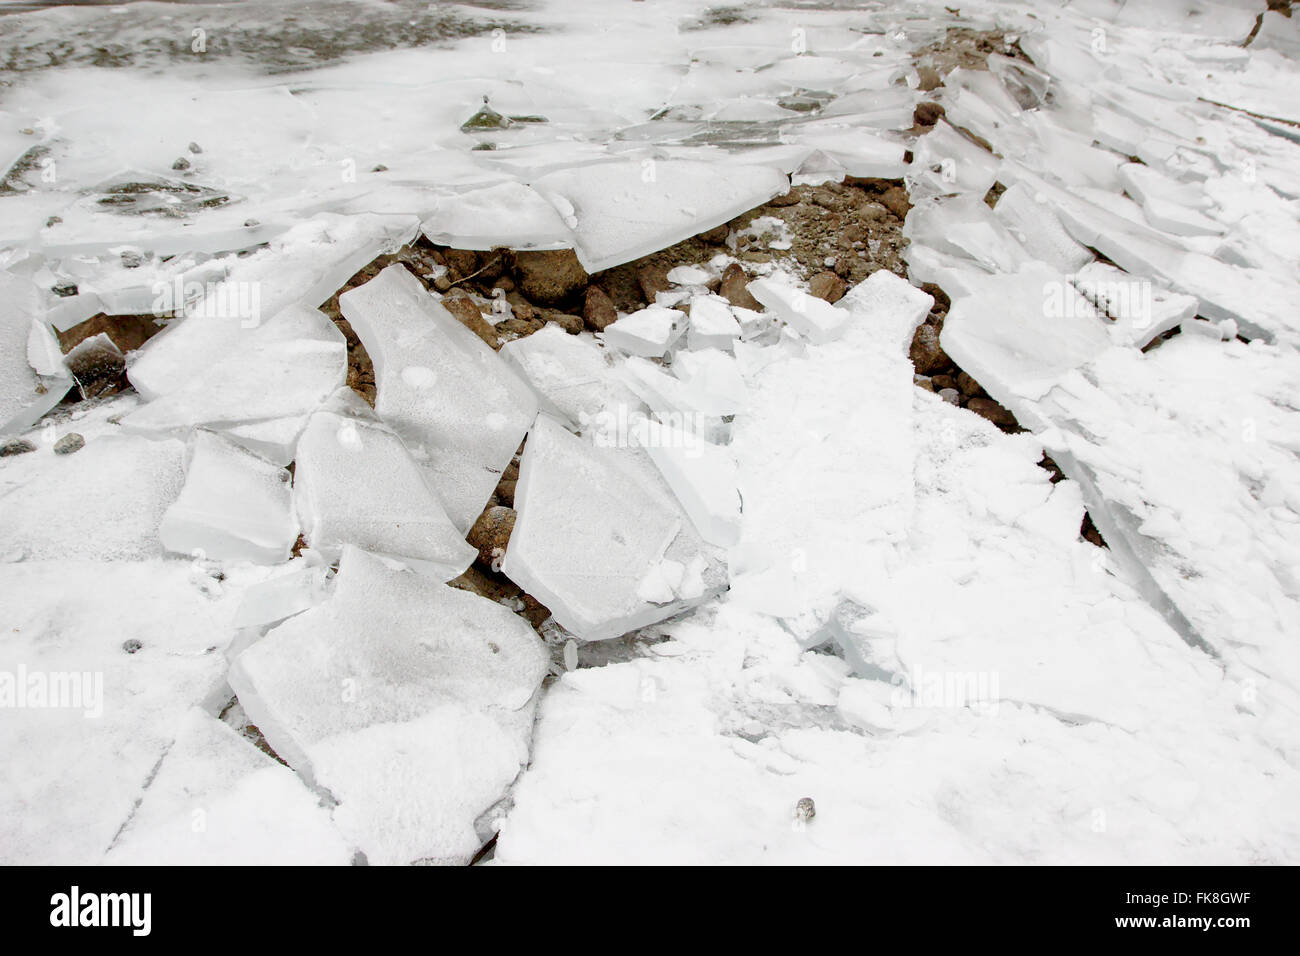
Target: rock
{"points": [[785, 199], [950, 395], [969, 387], [805, 809], [506, 491], [491, 534], [991, 410], [16, 446], [181, 163], [549, 277], [195, 148], [64, 289], [69, 443], [828, 286], [494, 587], [716, 236], [598, 310], [926, 354], [461, 262], [927, 113], [920, 381], [97, 364], [573, 324], [929, 77], [896, 200], [944, 381], [468, 315], [511, 329], [653, 279], [735, 288], [520, 307]]}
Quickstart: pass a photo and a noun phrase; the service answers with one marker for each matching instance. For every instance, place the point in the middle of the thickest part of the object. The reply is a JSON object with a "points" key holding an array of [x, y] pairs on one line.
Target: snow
{"points": [[776, 568]]}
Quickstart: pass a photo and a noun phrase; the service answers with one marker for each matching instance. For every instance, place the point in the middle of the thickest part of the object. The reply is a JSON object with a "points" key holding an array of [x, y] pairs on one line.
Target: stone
{"points": [[549, 277], [16, 446], [735, 288], [69, 443], [926, 353], [653, 279], [828, 286], [598, 309], [491, 533], [468, 315], [991, 410], [927, 113]]}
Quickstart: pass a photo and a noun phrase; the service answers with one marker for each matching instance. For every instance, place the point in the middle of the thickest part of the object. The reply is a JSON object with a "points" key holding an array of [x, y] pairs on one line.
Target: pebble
{"points": [[69, 443]]}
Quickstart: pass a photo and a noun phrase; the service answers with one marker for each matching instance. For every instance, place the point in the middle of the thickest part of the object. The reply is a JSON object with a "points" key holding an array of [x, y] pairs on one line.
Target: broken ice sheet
{"points": [[712, 323], [886, 308], [282, 368], [234, 506], [355, 483], [619, 211], [1021, 333], [573, 374], [306, 265], [410, 702], [593, 524], [453, 400], [507, 214], [216, 800], [25, 395]]}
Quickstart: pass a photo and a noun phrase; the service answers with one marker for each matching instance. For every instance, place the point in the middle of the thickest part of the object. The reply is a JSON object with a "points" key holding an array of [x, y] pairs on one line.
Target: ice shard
{"points": [[355, 483], [595, 527], [409, 701], [456, 404]]}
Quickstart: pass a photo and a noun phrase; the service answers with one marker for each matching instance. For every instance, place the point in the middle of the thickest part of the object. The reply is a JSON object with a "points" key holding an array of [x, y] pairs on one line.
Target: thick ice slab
{"points": [[280, 369], [574, 375], [649, 332], [355, 483], [234, 506], [458, 406], [1021, 334], [509, 214], [306, 265], [702, 475], [594, 530], [620, 211], [712, 323], [814, 318], [216, 800], [886, 308], [1039, 231], [409, 701]]}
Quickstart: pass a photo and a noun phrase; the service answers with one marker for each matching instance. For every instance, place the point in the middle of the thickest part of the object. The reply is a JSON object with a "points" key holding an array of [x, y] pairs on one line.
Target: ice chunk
{"points": [[947, 162], [592, 524], [572, 373], [306, 265], [216, 800], [234, 506], [886, 308], [25, 395], [814, 318], [458, 406], [355, 483], [713, 325], [626, 209], [506, 214], [713, 380], [703, 477], [671, 400], [282, 596], [282, 369], [650, 332], [1039, 230], [1140, 310], [1022, 333], [410, 702]]}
